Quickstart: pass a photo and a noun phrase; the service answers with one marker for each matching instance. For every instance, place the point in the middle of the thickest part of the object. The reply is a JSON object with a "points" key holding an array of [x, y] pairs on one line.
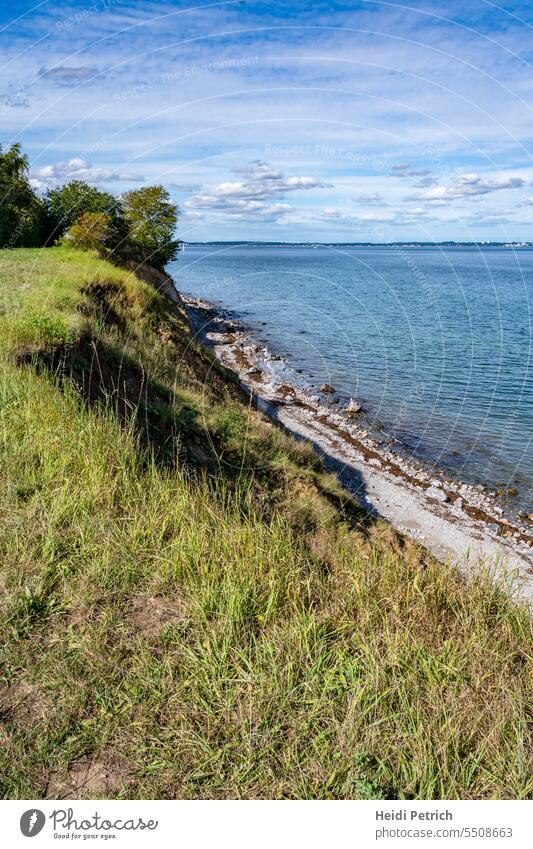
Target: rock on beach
{"points": [[353, 407], [437, 493]]}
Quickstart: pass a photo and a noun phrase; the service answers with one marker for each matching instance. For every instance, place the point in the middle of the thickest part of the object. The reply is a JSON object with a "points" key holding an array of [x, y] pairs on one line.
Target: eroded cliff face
{"points": [[160, 280]]}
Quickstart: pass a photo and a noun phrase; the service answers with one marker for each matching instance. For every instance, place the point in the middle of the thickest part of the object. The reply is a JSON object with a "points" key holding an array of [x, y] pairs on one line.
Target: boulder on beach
{"points": [[327, 389], [353, 407], [437, 494]]}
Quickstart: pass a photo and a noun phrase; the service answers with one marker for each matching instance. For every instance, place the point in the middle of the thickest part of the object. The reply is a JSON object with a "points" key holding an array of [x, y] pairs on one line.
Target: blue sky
{"points": [[353, 121]]}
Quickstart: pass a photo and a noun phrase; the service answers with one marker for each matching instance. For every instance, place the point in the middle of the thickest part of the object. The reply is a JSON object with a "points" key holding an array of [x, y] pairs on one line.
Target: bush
{"points": [[91, 231], [44, 330]]}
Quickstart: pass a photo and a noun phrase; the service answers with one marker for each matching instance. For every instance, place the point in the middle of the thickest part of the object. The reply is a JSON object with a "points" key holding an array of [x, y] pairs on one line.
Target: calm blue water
{"points": [[436, 344]]}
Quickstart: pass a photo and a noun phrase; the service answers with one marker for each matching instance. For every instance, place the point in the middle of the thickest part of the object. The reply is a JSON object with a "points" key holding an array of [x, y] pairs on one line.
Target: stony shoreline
{"points": [[454, 520]]}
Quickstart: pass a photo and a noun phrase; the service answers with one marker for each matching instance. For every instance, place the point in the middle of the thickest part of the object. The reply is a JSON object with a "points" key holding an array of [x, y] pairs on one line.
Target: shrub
{"points": [[91, 231], [45, 330]]}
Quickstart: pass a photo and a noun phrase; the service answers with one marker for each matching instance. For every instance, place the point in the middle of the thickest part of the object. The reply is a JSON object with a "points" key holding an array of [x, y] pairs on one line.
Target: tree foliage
{"points": [[66, 203], [22, 213], [151, 218]]}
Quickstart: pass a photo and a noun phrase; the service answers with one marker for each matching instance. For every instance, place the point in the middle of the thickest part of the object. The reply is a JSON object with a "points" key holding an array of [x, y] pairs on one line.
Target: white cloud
{"points": [[254, 195], [423, 176], [370, 200], [468, 185], [393, 218], [184, 187], [77, 169]]}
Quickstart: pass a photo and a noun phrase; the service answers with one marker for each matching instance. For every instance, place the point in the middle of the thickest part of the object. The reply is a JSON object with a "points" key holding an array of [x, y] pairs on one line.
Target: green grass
{"points": [[192, 608]]}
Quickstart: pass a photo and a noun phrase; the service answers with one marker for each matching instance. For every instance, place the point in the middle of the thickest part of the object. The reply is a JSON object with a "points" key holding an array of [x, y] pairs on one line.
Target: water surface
{"points": [[435, 343]]}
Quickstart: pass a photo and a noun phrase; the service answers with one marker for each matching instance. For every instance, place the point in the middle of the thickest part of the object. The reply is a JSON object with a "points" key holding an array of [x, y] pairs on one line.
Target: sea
{"points": [[434, 341]]}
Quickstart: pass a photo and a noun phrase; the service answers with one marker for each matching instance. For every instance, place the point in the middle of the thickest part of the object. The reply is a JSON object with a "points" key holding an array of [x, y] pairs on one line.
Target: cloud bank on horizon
{"points": [[352, 121]]}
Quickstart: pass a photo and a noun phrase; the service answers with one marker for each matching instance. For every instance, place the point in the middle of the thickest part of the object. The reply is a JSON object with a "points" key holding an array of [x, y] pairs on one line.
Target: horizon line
{"points": [[447, 242]]}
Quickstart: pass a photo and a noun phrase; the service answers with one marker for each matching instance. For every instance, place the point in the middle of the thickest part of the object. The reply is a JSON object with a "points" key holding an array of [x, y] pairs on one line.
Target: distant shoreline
{"points": [[407, 244]]}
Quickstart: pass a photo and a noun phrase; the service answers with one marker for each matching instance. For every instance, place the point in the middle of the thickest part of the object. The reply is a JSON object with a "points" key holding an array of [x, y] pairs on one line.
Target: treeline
{"points": [[138, 225]]}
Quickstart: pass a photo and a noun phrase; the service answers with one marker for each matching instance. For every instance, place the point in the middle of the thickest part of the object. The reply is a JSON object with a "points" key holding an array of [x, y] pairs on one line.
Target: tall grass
{"points": [[202, 622]]}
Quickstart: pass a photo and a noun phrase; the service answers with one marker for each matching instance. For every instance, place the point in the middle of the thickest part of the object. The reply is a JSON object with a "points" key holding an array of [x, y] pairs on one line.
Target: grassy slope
{"points": [[191, 608]]}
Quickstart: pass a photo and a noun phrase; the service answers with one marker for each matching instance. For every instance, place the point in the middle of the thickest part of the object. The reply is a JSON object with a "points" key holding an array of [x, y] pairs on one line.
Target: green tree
{"points": [[151, 218], [91, 231], [22, 214], [66, 203]]}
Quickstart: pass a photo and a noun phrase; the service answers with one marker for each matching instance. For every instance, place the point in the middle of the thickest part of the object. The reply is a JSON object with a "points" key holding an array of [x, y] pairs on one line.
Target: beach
{"points": [[457, 522]]}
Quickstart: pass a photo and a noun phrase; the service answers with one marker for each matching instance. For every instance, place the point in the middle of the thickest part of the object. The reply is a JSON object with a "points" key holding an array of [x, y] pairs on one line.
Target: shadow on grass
{"points": [[168, 428], [107, 379]]}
